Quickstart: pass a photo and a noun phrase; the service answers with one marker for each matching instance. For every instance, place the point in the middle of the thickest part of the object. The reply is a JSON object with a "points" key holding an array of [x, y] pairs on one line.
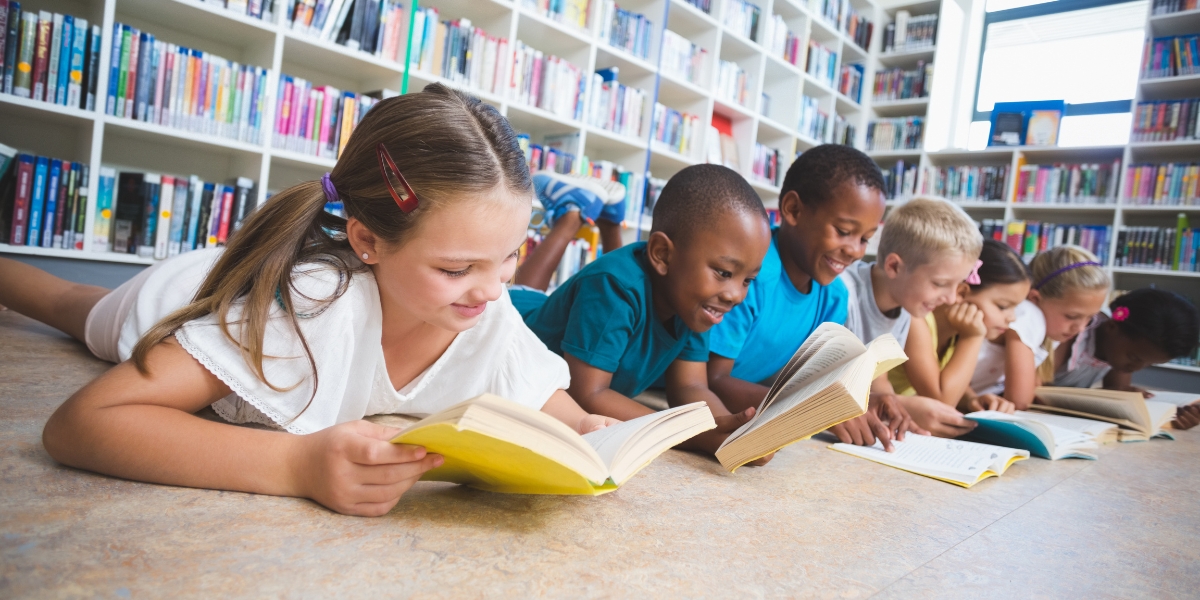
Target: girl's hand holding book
{"points": [[353, 469], [1187, 417], [592, 423], [987, 402]]}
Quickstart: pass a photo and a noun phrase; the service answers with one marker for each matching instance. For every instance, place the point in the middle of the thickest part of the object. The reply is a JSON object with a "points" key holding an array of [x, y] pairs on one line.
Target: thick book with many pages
{"points": [[498, 445], [953, 461], [826, 382], [1139, 419], [1027, 430]]}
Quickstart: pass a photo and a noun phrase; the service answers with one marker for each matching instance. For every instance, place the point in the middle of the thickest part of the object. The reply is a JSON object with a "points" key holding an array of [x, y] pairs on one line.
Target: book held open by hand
{"points": [[1033, 432], [827, 381], [498, 445]]}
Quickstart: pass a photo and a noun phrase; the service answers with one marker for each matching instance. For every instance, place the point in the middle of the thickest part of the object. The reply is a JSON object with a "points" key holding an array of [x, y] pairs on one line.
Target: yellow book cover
{"points": [[498, 445]]}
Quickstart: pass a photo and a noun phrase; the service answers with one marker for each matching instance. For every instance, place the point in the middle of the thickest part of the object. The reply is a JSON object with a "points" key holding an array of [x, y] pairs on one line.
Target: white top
{"points": [[863, 316], [1083, 369], [500, 355], [1030, 325]]}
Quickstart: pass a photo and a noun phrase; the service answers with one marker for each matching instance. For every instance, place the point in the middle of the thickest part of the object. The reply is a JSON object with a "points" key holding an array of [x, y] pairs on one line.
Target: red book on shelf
{"points": [[41, 55], [226, 209], [60, 214], [20, 216]]}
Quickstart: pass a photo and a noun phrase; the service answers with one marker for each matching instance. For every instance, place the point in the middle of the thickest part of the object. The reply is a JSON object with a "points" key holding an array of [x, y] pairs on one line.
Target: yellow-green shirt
{"points": [[899, 378]]}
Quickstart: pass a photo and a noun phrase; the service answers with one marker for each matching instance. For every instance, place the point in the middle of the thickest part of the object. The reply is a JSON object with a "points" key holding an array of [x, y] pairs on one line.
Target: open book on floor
{"points": [[953, 461], [1139, 419], [500, 446], [1026, 431], [826, 382]]}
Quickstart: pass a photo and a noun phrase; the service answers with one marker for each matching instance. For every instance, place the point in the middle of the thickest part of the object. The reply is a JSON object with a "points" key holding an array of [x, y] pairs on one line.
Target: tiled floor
{"points": [[812, 523]]}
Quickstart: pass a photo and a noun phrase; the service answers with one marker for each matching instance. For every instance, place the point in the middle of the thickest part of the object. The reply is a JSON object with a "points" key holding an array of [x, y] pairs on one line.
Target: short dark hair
{"points": [[1001, 265], [1165, 319], [699, 195], [817, 172]]}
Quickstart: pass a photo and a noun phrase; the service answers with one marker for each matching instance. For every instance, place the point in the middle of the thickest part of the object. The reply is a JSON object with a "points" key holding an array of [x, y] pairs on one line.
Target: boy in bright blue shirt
{"points": [[830, 205], [642, 312]]}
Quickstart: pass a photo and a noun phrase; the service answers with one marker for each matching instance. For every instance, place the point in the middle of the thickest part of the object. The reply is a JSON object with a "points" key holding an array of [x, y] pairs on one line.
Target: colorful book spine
{"points": [[102, 223]]}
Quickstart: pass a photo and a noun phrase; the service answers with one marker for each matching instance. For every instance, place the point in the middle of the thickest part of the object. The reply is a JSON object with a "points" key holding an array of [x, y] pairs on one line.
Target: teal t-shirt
{"points": [[766, 329], [604, 316]]}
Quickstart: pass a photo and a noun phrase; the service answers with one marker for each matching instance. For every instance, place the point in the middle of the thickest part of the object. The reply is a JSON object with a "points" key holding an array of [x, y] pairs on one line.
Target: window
{"points": [[1086, 52]]}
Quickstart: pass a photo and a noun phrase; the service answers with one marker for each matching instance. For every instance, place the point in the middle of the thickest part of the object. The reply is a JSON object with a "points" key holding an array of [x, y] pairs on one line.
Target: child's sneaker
{"points": [[559, 194]]}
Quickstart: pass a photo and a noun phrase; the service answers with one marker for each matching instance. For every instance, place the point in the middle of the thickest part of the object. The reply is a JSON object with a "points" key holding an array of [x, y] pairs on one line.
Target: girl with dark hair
{"points": [[1144, 327], [307, 322], [943, 356]]}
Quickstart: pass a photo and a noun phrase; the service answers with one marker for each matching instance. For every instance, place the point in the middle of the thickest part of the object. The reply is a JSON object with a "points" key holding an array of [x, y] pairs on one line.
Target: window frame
{"points": [[1039, 10]]}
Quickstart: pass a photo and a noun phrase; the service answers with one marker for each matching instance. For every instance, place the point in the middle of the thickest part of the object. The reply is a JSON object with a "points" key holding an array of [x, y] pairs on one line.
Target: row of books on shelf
{"points": [[675, 130], [1171, 56], [567, 12], [907, 32], [901, 133], [1171, 184], [850, 82], [158, 82], [256, 9], [844, 132], [372, 26], [966, 183], [1166, 120], [1030, 237], [616, 107], [733, 83], [555, 153], [49, 57], [1093, 183], [846, 19], [625, 29], [765, 164], [680, 58], [821, 63], [781, 42], [1165, 7], [43, 201], [458, 51], [901, 84], [899, 180], [1159, 248], [546, 81], [318, 120], [742, 18], [814, 122]]}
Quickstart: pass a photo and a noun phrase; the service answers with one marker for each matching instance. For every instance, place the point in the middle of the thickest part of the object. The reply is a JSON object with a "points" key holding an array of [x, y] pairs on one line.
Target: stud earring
{"points": [[364, 256]]}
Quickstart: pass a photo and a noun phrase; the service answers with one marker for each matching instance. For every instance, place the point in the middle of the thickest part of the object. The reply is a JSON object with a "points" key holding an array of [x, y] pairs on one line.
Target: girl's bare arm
{"points": [[1020, 372]]}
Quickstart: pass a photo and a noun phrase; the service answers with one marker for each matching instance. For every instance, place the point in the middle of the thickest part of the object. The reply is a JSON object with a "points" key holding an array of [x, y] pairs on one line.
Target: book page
{"points": [[941, 458], [608, 441], [1087, 426], [1176, 398], [1161, 413], [815, 343]]}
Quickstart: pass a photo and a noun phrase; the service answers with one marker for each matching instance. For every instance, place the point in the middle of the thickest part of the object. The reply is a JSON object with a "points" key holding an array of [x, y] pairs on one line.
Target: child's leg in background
{"points": [[39, 295], [541, 264]]}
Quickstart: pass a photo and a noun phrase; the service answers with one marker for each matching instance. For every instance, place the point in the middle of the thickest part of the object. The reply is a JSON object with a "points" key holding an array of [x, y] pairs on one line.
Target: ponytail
{"points": [[256, 267]]}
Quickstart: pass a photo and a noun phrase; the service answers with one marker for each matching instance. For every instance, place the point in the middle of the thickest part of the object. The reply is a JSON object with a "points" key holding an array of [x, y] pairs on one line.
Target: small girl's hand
{"points": [[353, 469], [592, 423], [990, 402], [966, 319]]}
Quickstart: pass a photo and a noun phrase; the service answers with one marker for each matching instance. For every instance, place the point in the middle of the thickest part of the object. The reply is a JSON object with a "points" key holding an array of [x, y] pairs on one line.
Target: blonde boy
{"points": [[928, 246]]}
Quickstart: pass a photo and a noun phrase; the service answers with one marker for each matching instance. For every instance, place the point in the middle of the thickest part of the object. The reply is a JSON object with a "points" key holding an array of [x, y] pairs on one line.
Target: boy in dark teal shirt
{"points": [[642, 312]]}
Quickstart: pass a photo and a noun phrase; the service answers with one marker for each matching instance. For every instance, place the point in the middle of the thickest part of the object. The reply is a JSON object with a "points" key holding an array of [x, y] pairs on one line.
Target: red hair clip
{"points": [[402, 193], [1120, 313]]}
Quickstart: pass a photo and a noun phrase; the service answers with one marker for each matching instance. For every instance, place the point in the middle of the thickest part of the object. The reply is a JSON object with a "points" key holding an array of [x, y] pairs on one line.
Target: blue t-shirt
{"points": [[766, 329], [604, 316]]}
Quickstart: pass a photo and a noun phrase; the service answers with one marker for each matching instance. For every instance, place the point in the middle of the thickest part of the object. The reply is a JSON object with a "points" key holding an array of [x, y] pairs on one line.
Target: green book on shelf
{"points": [[1181, 224]]}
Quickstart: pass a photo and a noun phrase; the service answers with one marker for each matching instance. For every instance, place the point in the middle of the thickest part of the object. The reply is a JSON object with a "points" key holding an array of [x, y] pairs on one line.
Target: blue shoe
{"points": [[560, 194], [613, 212]]}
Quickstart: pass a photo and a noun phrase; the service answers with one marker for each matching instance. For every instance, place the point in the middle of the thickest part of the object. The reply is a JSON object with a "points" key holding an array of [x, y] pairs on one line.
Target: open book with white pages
{"points": [[1138, 419], [953, 461], [1027, 431], [827, 381]]}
